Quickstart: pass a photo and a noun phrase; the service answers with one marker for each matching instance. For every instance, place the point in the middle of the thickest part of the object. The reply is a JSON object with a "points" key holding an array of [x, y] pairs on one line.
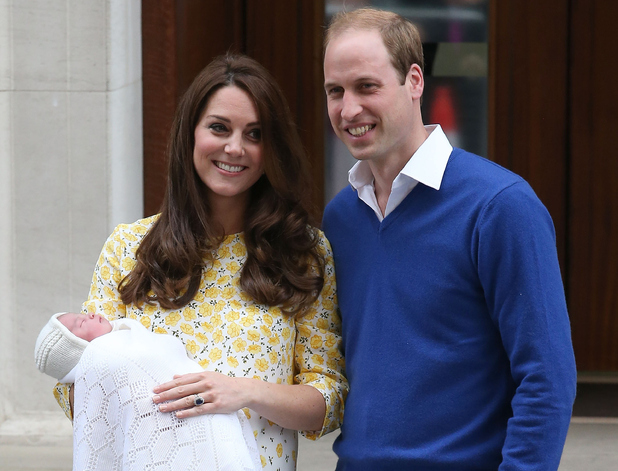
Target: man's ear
{"points": [[415, 81]]}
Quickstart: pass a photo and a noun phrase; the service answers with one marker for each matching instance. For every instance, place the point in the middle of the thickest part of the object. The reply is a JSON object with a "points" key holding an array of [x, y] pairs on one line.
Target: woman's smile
{"points": [[229, 168]]}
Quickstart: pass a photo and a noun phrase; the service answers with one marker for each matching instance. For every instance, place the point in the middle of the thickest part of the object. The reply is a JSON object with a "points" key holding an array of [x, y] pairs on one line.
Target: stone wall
{"points": [[70, 170]]}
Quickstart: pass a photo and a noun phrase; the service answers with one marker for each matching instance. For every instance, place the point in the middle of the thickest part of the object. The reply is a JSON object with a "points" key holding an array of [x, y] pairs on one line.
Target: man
{"points": [[456, 333]]}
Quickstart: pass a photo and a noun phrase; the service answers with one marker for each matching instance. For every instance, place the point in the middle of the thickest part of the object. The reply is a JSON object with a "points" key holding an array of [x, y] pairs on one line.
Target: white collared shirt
{"points": [[426, 166]]}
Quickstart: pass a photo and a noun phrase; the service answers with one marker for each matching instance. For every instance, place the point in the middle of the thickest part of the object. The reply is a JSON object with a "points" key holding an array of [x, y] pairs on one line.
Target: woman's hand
{"points": [[297, 407], [221, 394]]}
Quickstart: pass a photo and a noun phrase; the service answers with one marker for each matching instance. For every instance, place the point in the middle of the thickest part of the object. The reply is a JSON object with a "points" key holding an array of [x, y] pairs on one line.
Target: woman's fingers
{"points": [[206, 408], [186, 402], [218, 393], [176, 385], [182, 393], [179, 393]]}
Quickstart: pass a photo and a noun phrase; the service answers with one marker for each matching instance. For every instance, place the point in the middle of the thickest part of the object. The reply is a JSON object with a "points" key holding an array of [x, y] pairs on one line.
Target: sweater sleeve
{"points": [[318, 358], [519, 270]]}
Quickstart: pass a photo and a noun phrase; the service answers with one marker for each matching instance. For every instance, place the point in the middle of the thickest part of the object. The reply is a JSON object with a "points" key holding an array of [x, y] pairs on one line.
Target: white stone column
{"points": [[70, 170], [6, 283]]}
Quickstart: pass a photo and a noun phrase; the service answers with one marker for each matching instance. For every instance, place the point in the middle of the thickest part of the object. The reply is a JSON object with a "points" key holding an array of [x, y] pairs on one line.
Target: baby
{"points": [[61, 342], [114, 367]]}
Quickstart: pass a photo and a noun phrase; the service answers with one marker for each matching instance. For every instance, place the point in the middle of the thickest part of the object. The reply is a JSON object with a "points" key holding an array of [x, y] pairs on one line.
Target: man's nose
{"points": [[351, 107]]}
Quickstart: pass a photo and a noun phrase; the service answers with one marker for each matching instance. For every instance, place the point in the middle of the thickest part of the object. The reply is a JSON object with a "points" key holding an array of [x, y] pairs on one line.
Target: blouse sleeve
{"points": [[61, 393], [116, 260], [318, 356]]}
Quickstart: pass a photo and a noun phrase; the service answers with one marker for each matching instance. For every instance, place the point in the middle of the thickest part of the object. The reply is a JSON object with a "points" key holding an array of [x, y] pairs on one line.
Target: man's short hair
{"points": [[400, 36]]}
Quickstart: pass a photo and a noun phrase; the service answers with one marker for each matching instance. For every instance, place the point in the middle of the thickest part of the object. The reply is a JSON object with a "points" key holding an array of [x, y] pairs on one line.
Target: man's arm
{"points": [[519, 270]]}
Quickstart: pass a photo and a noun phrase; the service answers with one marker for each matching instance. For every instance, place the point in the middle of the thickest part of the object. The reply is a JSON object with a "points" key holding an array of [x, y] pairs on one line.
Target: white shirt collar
{"points": [[428, 163], [426, 166]]}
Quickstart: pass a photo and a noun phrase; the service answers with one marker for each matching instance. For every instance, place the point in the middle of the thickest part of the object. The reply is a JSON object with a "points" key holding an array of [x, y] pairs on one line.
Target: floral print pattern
{"points": [[226, 331]]}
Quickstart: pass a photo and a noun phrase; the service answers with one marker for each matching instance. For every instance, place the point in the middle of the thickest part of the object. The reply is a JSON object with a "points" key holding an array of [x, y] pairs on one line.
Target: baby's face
{"points": [[86, 326]]}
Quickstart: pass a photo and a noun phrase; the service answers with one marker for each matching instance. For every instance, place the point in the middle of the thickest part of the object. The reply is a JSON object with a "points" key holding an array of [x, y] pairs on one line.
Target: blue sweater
{"points": [[456, 334]]}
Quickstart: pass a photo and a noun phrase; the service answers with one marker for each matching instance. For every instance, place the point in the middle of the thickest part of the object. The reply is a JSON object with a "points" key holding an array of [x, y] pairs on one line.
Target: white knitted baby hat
{"points": [[57, 349]]}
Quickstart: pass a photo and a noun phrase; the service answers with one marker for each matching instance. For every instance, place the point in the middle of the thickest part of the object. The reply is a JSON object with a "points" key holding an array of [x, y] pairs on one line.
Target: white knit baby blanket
{"points": [[118, 427]]}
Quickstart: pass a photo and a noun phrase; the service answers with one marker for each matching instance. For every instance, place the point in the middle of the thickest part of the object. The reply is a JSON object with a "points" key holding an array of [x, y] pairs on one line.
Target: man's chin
{"points": [[360, 154]]}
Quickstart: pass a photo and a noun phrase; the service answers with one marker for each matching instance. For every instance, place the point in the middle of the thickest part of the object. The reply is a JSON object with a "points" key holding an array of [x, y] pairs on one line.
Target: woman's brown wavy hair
{"points": [[283, 266]]}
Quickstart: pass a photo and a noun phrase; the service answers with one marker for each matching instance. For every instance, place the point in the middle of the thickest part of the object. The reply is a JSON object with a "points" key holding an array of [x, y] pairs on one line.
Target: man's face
{"points": [[370, 110]]}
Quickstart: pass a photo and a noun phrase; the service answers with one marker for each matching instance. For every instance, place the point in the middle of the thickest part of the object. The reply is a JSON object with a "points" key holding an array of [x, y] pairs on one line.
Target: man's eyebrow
{"points": [[364, 78]]}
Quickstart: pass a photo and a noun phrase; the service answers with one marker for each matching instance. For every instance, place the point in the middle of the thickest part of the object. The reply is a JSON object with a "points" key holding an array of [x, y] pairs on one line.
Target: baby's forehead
{"points": [[68, 319]]}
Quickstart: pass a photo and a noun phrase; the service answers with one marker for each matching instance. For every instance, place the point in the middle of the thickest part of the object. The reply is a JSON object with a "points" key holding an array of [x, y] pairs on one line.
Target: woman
{"points": [[232, 267]]}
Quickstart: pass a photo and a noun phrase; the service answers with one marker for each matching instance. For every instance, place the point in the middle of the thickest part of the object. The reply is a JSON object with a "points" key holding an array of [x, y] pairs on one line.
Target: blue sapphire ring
{"points": [[198, 400]]}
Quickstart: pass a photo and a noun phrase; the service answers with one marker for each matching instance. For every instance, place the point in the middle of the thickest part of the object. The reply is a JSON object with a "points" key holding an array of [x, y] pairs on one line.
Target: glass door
{"points": [[455, 37]]}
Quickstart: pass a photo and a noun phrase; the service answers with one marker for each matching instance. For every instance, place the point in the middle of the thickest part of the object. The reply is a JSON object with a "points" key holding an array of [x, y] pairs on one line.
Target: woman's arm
{"points": [[297, 406], [71, 397], [318, 353], [104, 297], [62, 394]]}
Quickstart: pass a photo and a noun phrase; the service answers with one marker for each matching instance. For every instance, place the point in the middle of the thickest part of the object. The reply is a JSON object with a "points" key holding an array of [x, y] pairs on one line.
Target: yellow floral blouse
{"points": [[228, 332]]}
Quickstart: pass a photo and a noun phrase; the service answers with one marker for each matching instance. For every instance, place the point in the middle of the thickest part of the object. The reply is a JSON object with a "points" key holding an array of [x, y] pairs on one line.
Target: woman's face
{"points": [[228, 146]]}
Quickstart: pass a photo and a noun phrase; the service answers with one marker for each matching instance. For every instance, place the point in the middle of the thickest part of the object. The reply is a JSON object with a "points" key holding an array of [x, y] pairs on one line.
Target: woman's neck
{"points": [[229, 213]]}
